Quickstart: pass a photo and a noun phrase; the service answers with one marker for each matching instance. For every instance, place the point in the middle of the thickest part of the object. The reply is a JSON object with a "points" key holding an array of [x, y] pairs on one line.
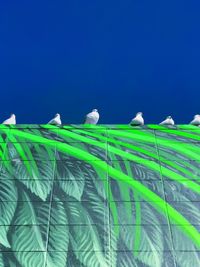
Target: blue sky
{"points": [[118, 56]]}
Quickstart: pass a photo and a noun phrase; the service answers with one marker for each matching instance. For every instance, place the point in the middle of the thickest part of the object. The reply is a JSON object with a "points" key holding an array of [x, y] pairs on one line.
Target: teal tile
{"points": [[80, 134], [187, 258], [97, 238], [150, 238], [37, 213], [143, 169], [181, 190], [80, 170], [132, 142], [133, 153], [24, 258], [182, 237], [117, 188], [82, 151], [174, 151], [188, 209], [37, 189], [59, 258], [25, 238], [140, 212], [27, 170], [143, 259], [84, 258], [180, 169], [30, 151], [79, 212]]}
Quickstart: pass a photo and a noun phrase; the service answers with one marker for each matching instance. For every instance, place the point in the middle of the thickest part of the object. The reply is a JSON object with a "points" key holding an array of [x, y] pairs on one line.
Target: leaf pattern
{"points": [[69, 198], [30, 237], [8, 204], [58, 236], [84, 237]]}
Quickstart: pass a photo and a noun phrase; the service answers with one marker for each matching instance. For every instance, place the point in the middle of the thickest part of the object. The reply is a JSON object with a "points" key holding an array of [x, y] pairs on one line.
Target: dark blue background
{"points": [[118, 56]]}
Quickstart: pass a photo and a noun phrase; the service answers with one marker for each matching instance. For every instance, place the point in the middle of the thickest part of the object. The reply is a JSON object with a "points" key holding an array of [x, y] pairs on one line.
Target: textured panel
{"points": [[99, 196]]}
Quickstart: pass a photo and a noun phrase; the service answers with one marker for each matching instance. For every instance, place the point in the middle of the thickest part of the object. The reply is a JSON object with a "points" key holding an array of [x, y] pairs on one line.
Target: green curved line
{"points": [[30, 157], [148, 138], [2, 155], [146, 193], [112, 140], [150, 164], [152, 140], [141, 150], [177, 132], [123, 189], [3, 148], [2, 143], [49, 151], [21, 152]]}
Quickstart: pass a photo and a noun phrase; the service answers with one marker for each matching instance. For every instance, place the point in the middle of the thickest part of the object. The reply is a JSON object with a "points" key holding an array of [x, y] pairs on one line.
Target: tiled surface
{"points": [[103, 196]]}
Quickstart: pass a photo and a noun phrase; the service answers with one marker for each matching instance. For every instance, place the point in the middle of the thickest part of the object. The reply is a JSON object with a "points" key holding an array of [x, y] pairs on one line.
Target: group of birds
{"points": [[93, 118], [139, 121]]}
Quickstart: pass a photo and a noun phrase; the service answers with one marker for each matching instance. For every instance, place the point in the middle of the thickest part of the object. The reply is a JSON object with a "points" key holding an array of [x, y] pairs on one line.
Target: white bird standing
{"points": [[196, 120], [92, 117], [167, 121], [138, 120], [56, 120], [11, 120]]}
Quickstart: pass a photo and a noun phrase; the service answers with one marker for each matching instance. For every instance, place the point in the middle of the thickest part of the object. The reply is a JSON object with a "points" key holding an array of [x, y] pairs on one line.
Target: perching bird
{"points": [[56, 120], [11, 120], [196, 120], [92, 117], [138, 120], [167, 121]]}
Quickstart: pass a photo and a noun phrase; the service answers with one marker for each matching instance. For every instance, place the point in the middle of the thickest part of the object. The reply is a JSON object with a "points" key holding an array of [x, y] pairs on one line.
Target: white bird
{"points": [[138, 120], [196, 120], [92, 117], [167, 121], [56, 120], [11, 120]]}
